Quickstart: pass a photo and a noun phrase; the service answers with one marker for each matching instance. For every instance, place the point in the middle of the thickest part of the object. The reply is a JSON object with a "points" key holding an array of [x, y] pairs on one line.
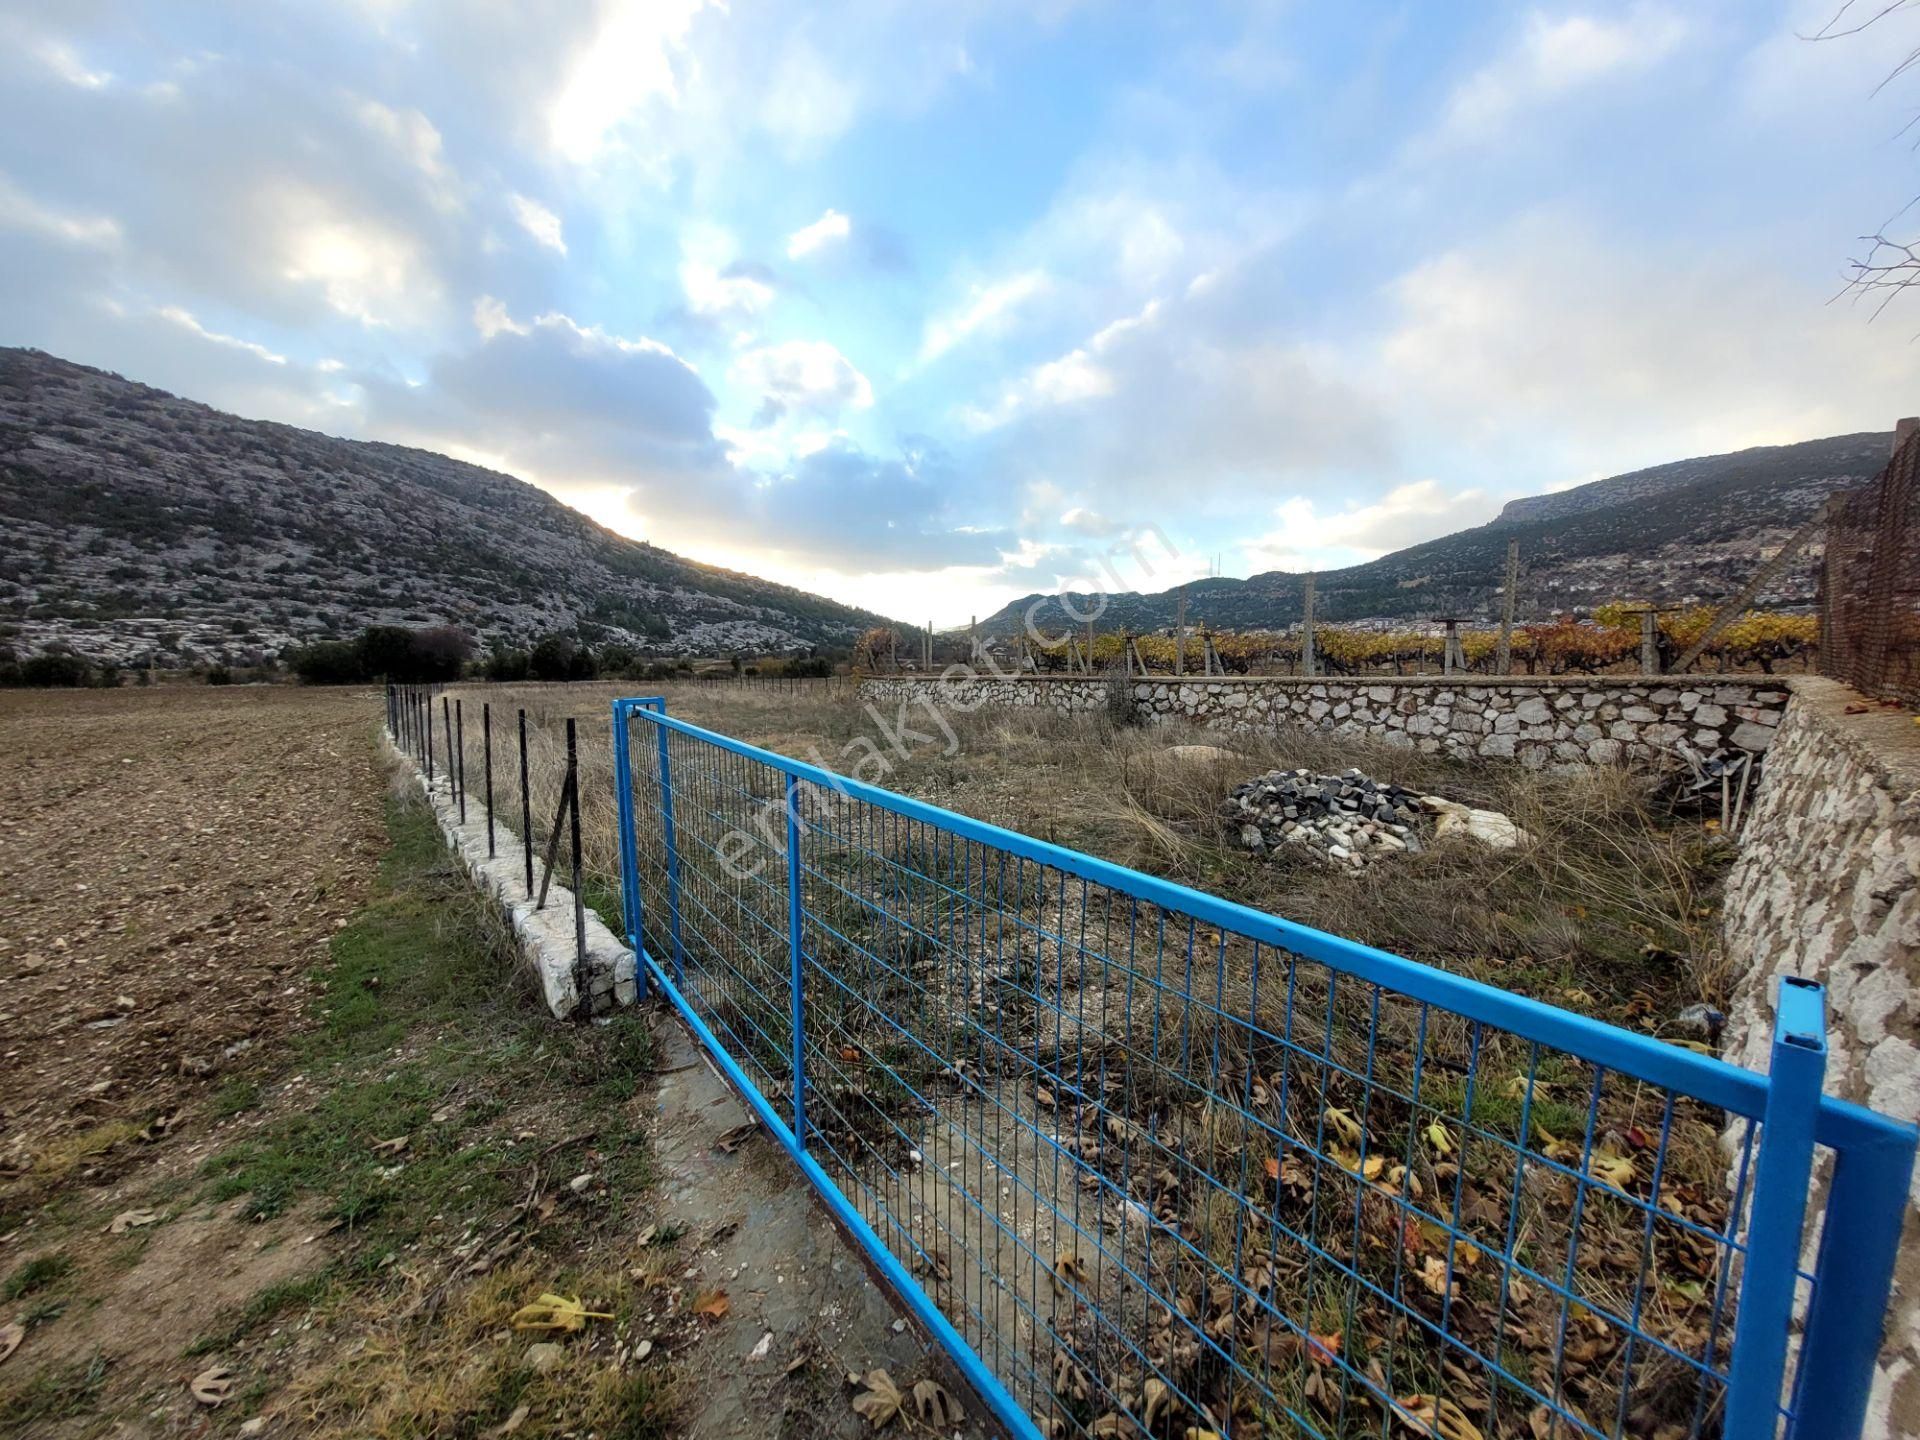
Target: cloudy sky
{"points": [[925, 306]]}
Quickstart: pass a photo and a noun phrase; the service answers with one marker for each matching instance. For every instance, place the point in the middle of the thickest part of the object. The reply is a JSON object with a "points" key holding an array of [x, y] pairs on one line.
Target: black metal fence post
{"points": [[460, 763], [429, 714], [446, 735], [486, 730], [526, 807]]}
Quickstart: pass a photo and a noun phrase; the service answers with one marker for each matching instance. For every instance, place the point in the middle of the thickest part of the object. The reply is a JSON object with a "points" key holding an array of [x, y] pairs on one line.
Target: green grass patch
{"points": [[236, 1097], [428, 1036], [54, 1394], [302, 1292], [35, 1275]]}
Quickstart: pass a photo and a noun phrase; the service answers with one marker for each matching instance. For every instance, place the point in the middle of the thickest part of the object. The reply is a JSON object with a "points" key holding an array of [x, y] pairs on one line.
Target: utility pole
{"points": [[1306, 629], [1503, 661]]}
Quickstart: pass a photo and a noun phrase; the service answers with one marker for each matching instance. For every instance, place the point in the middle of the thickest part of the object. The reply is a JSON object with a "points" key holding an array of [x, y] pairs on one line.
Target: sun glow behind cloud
{"points": [[938, 303]]}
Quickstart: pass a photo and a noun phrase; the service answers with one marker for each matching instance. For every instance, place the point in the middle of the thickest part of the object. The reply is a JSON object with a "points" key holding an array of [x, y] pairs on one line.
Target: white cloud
{"points": [[539, 222], [1406, 515], [417, 141], [364, 268], [987, 308], [1075, 376], [1089, 522], [635, 58], [20, 211], [805, 103], [806, 375], [829, 228], [1640, 357], [1554, 56], [186, 321], [63, 61], [715, 282], [490, 317]]}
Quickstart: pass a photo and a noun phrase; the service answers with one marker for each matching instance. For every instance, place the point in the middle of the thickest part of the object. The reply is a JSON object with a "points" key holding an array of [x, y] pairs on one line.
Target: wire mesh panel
{"points": [[1172, 1167], [1870, 584]]}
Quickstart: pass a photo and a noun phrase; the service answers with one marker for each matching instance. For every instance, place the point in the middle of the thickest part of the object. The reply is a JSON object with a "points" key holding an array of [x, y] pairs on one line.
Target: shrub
{"points": [[505, 663], [65, 671], [561, 657], [328, 662]]}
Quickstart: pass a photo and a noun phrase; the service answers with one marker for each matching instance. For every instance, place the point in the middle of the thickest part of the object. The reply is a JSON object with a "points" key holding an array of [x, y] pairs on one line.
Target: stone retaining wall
{"points": [[1601, 720], [1828, 887]]}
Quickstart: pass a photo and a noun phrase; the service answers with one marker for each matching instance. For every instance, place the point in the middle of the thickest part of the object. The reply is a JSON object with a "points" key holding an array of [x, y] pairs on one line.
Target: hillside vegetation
{"points": [[1683, 534], [141, 525]]}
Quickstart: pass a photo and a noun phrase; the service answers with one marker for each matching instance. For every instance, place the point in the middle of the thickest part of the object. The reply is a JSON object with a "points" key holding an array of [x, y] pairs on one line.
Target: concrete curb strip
{"points": [[545, 936]]}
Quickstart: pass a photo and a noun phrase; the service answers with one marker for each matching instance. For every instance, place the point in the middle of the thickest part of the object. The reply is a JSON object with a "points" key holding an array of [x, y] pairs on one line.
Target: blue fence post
{"points": [[795, 945], [673, 855], [629, 858], [1795, 1074], [1859, 1243]]}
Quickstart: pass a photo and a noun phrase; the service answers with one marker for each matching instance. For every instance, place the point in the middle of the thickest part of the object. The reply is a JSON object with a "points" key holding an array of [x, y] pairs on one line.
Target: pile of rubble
{"points": [[1351, 818]]}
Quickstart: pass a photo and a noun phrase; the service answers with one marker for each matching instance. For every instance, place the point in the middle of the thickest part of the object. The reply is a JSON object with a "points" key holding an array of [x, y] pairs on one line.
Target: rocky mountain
{"points": [[1688, 532], [140, 524]]}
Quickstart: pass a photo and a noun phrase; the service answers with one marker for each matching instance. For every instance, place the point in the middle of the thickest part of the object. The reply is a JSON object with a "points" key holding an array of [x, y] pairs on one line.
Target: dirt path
{"points": [[172, 862], [802, 1311]]}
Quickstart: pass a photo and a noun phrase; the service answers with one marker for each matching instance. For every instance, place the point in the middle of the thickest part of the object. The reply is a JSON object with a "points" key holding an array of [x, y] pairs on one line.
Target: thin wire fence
{"points": [[1870, 583], [432, 726], [1166, 1166]]}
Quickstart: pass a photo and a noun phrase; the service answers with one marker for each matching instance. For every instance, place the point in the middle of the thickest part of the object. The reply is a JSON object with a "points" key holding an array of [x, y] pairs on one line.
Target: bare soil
{"points": [[172, 862], [275, 1108]]}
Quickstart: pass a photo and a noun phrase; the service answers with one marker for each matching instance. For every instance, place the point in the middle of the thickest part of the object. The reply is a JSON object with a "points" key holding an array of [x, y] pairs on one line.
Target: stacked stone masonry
{"points": [[1827, 887], [1604, 720]]}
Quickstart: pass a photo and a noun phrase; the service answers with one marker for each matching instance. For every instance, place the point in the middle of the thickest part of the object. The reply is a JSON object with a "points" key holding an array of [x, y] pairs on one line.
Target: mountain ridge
{"points": [[149, 527], [1685, 532]]}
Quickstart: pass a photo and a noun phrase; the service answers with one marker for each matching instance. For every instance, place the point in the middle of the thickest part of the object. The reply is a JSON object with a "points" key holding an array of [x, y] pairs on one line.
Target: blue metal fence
{"points": [[1147, 1162]]}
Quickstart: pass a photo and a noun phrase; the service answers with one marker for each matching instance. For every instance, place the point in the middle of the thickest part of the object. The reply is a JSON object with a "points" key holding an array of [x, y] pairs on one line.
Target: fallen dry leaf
{"points": [[1610, 1167], [732, 1140], [132, 1219], [556, 1312], [390, 1147], [213, 1385], [881, 1401], [1436, 1417], [10, 1338], [1342, 1123], [936, 1406], [1435, 1275], [1069, 1270], [1156, 1399], [714, 1304], [512, 1423]]}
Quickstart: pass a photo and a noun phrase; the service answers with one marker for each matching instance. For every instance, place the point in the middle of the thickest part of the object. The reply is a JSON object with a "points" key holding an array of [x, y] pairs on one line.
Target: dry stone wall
{"points": [[1603, 720], [1828, 887]]}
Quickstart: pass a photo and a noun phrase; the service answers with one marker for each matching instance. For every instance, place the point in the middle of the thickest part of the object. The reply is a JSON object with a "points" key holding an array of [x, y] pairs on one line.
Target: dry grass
{"points": [[1609, 911], [1611, 902], [468, 1373]]}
